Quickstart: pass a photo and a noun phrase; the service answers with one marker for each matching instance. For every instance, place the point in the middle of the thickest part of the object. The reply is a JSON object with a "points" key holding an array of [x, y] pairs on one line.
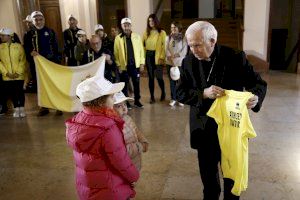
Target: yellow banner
{"points": [[57, 83]]}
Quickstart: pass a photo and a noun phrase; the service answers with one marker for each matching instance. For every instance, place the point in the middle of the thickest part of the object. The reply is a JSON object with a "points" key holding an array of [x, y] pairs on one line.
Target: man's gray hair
{"points": [[208, 30]]}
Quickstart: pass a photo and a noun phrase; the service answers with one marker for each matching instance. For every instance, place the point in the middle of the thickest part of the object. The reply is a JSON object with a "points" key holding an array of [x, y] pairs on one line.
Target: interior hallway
{"points": [[35, 162]]}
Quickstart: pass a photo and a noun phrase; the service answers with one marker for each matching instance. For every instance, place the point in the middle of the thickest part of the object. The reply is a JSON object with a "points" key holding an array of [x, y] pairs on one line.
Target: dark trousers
{"points": [[133, 73], [172, 84], [209, 156], [14, 90], [154, 71], [3, 98]]}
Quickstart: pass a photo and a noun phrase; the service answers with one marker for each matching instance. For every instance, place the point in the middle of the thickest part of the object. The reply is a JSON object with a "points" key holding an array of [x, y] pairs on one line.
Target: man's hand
{"points": [[15, 75], [213, 92], [10, 75], [161, 61], [176, 55], [169, 58], [107, 58], [142, 66], [34, 53], [252, 102]]}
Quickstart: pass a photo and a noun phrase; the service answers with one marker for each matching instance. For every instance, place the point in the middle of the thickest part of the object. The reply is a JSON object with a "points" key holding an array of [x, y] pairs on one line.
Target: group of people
{"points": [[105, 169], [126, 53]]}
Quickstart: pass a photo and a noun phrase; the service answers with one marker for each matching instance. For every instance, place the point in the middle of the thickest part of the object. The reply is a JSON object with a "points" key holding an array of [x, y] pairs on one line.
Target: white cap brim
{"points": [[116, 87], [120, 100]]}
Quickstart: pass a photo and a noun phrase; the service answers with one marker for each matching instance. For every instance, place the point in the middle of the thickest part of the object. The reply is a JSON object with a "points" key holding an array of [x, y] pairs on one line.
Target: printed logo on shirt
{"points": [[235, 119], [237, 106], [46, 33]]}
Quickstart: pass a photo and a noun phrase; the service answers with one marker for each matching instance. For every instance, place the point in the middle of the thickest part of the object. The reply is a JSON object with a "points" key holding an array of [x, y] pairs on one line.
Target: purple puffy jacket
{"points": [[104, 170]]}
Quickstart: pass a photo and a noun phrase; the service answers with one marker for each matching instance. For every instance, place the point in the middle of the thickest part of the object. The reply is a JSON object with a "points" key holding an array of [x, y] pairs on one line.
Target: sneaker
{"points": [[181, 104], [43, 112], [58, 113], [172, 103], [16, 112], [129, 107], [22, 112], [138, 104]]}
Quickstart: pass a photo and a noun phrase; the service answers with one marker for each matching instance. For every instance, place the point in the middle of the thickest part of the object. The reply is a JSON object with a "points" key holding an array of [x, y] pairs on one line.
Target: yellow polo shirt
{"points": [[234, 129]]}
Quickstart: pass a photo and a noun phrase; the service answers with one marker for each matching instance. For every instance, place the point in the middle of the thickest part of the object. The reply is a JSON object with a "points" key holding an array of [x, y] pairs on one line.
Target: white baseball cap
{"points": [[125, 20], [120, 97], [80, 32], [175, 73], [6, 31], [98, 27], [95, 87], [27, 19], [71, 16], [36, 13]]}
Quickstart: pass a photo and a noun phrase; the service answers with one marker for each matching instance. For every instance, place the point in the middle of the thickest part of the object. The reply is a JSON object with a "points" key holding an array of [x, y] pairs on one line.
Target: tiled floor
{"points": [[36, 164]]}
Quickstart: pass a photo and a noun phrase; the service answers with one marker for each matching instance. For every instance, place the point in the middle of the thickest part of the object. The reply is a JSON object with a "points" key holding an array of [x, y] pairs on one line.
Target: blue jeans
{"points": [[172, 84]]}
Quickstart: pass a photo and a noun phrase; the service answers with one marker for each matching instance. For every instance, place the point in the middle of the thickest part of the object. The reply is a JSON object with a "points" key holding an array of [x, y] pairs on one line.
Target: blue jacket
{"points": [[44, 42]]}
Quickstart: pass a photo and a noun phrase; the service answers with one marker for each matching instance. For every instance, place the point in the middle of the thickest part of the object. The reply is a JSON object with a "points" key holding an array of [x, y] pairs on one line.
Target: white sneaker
{"points": [[16, 112], [180, 104], [22, 112], [172, 103]]}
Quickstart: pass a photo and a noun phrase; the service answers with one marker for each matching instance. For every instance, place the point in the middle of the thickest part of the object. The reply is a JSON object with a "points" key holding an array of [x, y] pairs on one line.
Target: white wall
{"points": [[9, 16], [206, 9], [84, 10], [138, 12], [256, 24]]}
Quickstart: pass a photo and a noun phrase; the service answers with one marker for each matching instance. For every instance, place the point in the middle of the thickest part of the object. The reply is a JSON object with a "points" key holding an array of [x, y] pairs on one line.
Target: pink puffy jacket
{"points": [[104, 170]]}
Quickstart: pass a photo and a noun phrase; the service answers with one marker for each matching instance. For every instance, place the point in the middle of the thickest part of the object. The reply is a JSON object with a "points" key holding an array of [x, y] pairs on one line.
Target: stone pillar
{"points": [[138, 12]]}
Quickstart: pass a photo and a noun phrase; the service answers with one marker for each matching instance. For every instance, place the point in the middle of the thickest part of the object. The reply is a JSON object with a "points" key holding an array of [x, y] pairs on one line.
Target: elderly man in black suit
{"points": [[207, 71]]}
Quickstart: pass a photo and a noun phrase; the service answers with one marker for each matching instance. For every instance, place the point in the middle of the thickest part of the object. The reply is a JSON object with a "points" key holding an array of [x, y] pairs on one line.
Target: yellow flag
{"points": [[57, 83]]}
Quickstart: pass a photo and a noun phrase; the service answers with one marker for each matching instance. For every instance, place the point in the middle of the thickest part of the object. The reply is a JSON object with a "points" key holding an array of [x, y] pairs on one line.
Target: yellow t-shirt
{"points": [[234, 128]]}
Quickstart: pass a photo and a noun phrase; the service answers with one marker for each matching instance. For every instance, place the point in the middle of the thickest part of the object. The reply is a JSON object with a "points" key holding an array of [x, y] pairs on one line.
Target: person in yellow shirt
{"points": [[130, 59], [154, 42], [12, 67], [206, 72]]}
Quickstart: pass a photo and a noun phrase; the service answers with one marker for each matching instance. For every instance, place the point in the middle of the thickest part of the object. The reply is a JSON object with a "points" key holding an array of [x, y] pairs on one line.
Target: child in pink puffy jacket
{"points": [[104, 171], [135, 142]]}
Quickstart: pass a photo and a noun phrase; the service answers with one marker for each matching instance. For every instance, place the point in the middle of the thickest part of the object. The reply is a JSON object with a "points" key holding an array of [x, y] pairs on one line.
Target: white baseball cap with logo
{"points": [[120, 97], [6, 31], [36, 13], [80, 32], [125, 20], [95, 87], [98, 27]]}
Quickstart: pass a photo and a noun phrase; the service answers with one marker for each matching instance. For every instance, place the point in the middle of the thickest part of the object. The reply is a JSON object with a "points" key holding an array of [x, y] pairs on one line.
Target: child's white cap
{"points": [[120, 97], [96, 87]]}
